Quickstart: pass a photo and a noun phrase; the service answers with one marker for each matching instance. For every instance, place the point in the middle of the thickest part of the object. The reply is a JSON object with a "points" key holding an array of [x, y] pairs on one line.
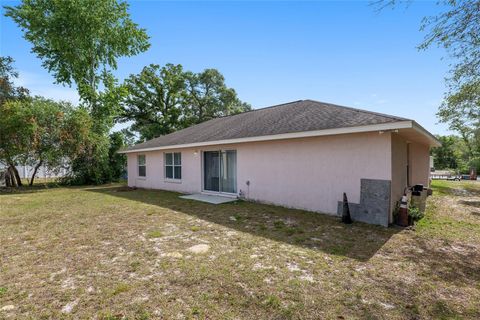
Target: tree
{"points": [[165, 99], [79, 42], [9, 92], [16, 132], [208, 97], [41, 132], [47, 142], [154, 100], [446, 156], [457, 29], [118, 162]]}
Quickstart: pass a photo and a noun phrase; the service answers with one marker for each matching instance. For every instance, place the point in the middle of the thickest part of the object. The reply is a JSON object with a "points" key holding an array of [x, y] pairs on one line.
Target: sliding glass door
{"points": [[211, 171], [220, 171], [228, 171]]}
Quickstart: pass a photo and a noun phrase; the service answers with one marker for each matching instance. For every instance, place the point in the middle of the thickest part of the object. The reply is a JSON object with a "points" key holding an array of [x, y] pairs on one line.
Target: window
{"points": [[142, 165], [173, 165]]}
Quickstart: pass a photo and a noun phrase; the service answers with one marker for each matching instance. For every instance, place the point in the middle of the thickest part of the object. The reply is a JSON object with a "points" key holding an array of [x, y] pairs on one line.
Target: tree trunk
{"points": [[35, 172], [10, 178], [8, 182], [16, 176]]}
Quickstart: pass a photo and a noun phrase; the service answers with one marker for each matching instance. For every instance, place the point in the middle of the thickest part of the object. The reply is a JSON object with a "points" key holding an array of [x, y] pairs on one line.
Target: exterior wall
{"points": [[399, 169], [306, 173], [419, 160], [191, 171], [313, 173], [417, 157]]}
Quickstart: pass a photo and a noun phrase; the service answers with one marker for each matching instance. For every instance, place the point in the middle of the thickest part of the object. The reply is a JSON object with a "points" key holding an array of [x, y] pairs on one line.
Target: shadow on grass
{"points": [[460, 188], [455, 263], [471, 203], [297, 227], [28, 189]]}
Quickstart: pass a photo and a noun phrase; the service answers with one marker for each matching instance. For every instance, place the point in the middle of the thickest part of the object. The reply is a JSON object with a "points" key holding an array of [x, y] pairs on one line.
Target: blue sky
{"points": [[273, 52]]}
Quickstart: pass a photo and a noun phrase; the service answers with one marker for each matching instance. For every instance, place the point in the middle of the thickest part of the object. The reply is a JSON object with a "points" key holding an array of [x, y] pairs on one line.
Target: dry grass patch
{"points": [[106, 253]]}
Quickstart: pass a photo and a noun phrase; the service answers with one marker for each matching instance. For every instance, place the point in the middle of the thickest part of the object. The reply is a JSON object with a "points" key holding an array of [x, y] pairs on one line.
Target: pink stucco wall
{"points": [[191, 171], [417, 157], [419, 161], [307, 173], [399, 169]]}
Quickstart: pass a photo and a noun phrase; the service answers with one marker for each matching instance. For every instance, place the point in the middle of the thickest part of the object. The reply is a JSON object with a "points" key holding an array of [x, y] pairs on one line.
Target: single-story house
{"points": [[303, 154]]}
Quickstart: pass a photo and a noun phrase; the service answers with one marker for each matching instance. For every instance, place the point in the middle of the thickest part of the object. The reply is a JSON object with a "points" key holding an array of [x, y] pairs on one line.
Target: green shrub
{"points": [[415, 213]]}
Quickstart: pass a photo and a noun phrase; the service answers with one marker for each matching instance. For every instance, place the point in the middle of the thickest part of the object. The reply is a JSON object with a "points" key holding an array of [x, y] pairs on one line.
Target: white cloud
{"points": [[42, 85]]}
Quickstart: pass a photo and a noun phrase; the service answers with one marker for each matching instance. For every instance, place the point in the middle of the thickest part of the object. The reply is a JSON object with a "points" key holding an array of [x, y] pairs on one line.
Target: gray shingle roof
{"points": [[297, 116]]}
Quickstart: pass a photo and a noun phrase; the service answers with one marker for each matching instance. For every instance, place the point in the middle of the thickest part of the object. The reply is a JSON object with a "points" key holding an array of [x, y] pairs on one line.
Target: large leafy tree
{"points": [[154, 100], [448, 155], [16, 133], [78, 40], [164, 99], [456, 28], [43, 132], [79, 43], [10, 92], [208, 97]]}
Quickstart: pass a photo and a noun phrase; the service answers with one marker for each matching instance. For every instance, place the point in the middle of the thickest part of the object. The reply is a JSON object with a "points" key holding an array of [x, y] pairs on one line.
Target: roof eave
{"points": [[293, 135], [434, 142]]}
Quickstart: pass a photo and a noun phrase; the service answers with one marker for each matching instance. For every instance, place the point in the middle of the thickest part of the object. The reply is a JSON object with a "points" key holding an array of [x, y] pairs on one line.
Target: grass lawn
{"points": [[106, 253]]}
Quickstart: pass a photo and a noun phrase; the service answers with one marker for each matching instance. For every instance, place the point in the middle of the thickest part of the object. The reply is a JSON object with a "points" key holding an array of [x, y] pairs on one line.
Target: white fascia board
{"points": [[304, 134], [433, 140]]}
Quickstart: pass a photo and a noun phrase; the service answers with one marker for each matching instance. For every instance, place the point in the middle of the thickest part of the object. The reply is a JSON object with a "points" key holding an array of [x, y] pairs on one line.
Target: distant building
{"points": [[26, 171]]}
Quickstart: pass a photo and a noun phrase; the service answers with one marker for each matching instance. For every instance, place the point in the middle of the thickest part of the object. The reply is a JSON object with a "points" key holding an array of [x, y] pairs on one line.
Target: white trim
{"points": [[212, 192], [304, 134], [173, 165], [144, 165], [433, 141]]}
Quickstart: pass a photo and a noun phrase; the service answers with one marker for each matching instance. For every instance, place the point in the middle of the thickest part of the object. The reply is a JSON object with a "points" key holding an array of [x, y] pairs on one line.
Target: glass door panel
{"points": [[220, 171], [228, 171], [211, 171]]}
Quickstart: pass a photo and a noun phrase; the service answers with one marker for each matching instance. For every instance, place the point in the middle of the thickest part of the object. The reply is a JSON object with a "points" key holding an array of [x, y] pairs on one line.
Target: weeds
{"points": [[154, 234]]}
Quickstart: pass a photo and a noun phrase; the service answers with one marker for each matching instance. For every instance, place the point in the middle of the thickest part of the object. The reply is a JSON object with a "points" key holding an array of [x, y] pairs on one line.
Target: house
{"points": [[303, 154]]}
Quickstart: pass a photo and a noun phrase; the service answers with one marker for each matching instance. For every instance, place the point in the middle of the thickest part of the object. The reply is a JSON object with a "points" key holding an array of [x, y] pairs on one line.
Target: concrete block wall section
{"points": [[374, 206]]}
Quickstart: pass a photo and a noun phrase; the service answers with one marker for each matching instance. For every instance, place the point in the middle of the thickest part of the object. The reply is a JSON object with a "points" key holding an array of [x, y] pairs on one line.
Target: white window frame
{"points": [[142, 165], [173, 165]]}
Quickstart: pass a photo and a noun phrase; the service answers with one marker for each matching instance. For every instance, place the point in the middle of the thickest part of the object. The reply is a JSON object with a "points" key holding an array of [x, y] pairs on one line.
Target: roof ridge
{"points": [[317, 108], [258, 109], [359, 110]]}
